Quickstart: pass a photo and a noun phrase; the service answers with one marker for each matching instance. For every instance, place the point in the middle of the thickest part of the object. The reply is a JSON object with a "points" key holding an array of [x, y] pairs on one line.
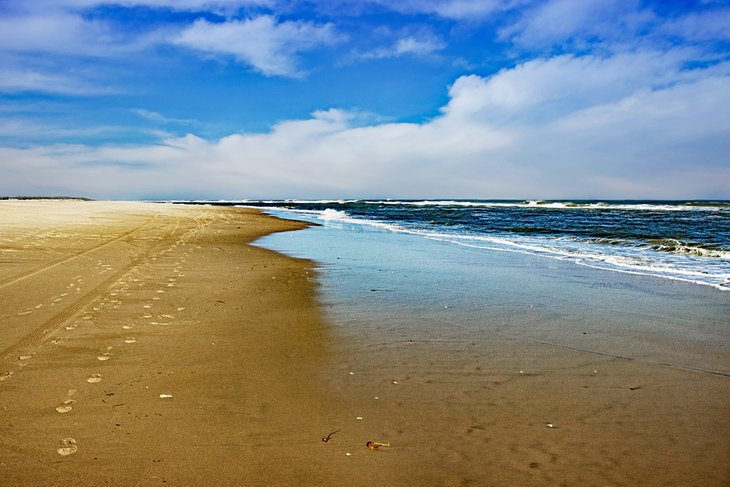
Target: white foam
{"points": [[330, 214], [567, 205]]}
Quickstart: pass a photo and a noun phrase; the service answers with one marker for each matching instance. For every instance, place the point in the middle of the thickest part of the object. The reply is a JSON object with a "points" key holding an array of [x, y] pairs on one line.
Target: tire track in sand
{"points": [[33, 339], [44, 268]]}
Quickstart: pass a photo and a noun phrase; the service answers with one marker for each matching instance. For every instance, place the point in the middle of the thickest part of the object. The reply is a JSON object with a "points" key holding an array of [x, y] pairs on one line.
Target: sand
{"points": [[144, 344], [149, 344]]}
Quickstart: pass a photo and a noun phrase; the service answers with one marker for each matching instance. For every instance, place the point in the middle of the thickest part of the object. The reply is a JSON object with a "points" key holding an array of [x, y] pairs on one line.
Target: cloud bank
{"points": [[565, 126]]}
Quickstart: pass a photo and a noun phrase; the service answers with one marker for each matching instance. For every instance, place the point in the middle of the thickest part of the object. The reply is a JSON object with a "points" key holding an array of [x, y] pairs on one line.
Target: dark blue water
{"points": [[685, 240]]}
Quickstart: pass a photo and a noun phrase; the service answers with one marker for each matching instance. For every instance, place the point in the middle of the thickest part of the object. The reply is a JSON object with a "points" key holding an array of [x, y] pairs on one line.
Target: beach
{"points": [[149, 344], [145, 344]]}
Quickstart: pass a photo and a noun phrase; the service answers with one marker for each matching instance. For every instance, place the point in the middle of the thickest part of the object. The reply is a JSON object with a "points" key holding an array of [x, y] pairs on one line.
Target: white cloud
{"points": [[159, 118], [611, 24], [577, 22], [190, 5], [420, 46], [28, 80], [466, 10], [701, 26], [53, 32], [627, 132], [542, 89], [30, 129], [470, 9], [268, 46]]}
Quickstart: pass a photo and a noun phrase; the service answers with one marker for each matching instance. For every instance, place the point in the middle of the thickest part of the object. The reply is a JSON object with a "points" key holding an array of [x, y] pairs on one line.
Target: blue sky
{"points": [[233, 99]]}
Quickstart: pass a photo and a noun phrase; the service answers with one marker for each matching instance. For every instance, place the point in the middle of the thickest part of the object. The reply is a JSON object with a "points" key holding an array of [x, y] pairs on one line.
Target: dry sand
{"points": [[158, 346], [144, 344]]}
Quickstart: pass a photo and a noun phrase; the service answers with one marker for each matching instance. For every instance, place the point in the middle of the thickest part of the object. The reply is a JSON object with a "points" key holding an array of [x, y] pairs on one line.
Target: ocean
{"points": [[679, 240]]}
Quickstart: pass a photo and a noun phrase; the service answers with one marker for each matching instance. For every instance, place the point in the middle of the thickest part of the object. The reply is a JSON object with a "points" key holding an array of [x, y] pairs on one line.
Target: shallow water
{"points": [[383, 285]]}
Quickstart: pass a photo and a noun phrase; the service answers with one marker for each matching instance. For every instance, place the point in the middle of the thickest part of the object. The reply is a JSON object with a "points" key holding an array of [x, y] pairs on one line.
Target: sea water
{"points": [[383, 282], [681, 240]]}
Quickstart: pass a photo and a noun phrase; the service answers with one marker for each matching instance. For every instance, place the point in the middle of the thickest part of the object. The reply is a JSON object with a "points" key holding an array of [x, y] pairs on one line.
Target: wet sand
{"points": [[147, 344]]}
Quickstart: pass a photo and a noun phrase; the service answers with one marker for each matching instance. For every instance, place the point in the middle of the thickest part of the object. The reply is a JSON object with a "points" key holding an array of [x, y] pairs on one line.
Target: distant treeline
{"points": [[78, 198]]}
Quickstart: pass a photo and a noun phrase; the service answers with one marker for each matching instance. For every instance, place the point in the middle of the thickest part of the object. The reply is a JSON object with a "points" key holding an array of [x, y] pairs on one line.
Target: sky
{"points": [[258, 99]]}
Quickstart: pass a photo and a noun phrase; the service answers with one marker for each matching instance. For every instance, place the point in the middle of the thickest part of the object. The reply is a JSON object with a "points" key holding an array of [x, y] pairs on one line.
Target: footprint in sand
{"points": [[71, 327], [104, 357], [22, 313], [24, 357], [127, 327], [65, 406], [161, 291], [94, 378], [68, 447], [130, 340], [147, 306]]}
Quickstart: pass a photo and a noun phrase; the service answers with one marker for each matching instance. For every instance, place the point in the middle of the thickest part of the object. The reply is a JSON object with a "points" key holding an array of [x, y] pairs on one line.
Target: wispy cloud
{"points": [[180, 5], [462, 10], [612, 25], [158, 117], [700, 26], [567, 22], [468, 9], [56, 32], [13, 80], [28, 128], [269, 46], [412, 45]]}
